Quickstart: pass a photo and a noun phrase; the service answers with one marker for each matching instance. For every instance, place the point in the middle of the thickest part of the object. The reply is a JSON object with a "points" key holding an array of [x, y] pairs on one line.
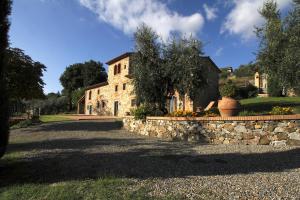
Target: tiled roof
{"points": [[116, 59], [96, 85]]}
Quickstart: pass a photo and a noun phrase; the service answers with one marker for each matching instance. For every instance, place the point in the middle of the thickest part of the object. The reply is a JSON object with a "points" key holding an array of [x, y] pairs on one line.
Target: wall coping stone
{"points": [[234, 118]]}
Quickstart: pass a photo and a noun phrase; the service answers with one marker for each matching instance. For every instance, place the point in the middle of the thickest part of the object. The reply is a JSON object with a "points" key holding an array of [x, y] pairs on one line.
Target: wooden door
{"points": [[116, 108]]}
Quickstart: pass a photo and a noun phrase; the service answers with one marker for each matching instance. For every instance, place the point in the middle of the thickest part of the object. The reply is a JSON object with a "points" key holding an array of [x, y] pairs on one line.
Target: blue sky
{"points": [[63, 32]]}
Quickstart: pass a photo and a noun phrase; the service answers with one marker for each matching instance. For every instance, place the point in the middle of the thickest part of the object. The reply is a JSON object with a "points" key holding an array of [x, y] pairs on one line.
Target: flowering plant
{"points": [[180, 113], [277, 110]]}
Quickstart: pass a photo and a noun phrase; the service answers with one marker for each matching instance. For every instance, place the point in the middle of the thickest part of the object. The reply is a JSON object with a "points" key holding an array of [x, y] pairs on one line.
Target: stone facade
{"points": [[116, 96], [248, 132]]}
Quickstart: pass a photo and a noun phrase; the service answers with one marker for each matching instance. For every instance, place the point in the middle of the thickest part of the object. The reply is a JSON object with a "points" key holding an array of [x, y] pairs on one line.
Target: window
{"points": [[98, 91], [124, 86], [90, 95], [133, 102], [116, 88], [103, 104], [124, 66], [119, 68], [115, 69], [98, 104]]}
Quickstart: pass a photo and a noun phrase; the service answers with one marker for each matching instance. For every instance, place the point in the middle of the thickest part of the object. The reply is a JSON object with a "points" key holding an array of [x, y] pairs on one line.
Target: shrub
{"points": [[277, 110], [141, 112], [214, 112], [54, 105], [249, 91], [228, 90], [23, 124], [180, 113]]}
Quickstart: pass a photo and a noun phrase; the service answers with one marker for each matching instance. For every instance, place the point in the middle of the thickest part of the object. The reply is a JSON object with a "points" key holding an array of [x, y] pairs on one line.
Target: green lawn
{"points": [[53, 118], [265, 105], [106, 188]]}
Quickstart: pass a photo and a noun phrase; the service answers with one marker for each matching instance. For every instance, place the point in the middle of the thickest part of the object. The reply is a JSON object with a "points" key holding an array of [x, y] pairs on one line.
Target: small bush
{"points": [[277, 110], [141, 112], [214, 112], [180, 113], [249, 91], [228, 90], [22, 124]]}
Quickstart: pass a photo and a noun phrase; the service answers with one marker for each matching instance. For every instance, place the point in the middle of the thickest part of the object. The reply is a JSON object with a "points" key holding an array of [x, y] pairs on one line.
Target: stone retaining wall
{"points": [[280, 131]]}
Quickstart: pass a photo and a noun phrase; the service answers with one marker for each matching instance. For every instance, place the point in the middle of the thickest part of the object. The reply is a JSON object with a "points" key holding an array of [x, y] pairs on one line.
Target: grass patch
{"points": [[264, 105], [106, 188], [53, 118], [23, 124]]}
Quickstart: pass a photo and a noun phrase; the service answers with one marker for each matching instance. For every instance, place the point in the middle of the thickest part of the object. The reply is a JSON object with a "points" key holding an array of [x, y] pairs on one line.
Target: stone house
{"points": [[116, 97]]}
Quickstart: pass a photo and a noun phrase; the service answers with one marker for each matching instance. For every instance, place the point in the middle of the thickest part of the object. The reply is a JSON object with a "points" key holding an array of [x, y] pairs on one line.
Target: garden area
{"points": [[263, 106]]}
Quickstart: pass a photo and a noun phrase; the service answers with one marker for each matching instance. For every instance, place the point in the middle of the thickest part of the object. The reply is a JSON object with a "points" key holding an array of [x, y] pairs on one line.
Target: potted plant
{"points": [[227, 105]]}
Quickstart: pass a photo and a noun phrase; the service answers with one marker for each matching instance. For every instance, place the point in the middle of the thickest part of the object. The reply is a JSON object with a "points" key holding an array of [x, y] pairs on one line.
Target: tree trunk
{"points": [[5, 6]]}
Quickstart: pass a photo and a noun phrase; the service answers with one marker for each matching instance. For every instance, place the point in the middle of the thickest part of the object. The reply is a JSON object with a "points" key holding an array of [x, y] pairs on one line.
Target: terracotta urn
{"points": [[228, 107]]}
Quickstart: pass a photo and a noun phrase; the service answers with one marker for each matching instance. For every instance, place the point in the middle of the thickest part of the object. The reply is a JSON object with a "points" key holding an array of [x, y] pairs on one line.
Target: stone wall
{"points": [[278, 132], [108, 93]]}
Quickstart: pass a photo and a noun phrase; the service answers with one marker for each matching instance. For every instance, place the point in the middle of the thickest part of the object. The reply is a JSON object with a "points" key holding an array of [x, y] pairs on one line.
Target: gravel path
{"points": [[68, 151]]}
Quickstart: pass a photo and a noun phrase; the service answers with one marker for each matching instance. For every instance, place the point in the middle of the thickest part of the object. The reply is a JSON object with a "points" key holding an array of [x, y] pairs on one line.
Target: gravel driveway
{"points": [[81, 150]]}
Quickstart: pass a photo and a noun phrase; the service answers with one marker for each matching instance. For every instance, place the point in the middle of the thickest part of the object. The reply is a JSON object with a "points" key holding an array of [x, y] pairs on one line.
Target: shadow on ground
{"points": [[77, 159], [80, 126]]}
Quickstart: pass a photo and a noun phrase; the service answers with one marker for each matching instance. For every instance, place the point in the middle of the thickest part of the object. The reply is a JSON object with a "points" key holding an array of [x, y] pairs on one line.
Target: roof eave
{"points": [[116, 59]]}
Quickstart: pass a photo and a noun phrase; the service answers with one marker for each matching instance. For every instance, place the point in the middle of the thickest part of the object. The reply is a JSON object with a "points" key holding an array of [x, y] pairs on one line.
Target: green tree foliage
{"points": [[52, 95], [149, 81], [279, 48], [247, 70], [291, 59], [76, 95], [274, 88], [80, 75], [224, 73], [24, 76], [5, 8], [184, 66], [228, 90], [161, 68], [53, 103]]}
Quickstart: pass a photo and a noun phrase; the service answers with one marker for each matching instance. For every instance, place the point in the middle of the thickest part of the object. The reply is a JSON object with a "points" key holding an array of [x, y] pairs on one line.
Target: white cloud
{"points": [[219, 51], [245, 16], [211, 13], [127, 15]]}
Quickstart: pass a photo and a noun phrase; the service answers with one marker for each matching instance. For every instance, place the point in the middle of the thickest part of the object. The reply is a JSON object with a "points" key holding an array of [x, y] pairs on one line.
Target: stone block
{"points": [[294, 136], [247, 136], [264, 140], [282, 136], [226, 141], [240, 129], [279, 130], [281, 143], [257, 126], [293, 142]]}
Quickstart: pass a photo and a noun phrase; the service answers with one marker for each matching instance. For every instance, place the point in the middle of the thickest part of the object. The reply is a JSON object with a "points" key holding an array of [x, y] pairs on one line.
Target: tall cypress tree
{"points": [[5, 8]]}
